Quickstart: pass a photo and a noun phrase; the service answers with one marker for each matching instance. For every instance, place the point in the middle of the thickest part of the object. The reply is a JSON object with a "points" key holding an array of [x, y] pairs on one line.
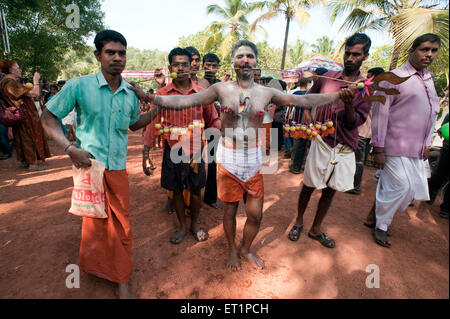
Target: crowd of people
{"points": [[232, 114]]}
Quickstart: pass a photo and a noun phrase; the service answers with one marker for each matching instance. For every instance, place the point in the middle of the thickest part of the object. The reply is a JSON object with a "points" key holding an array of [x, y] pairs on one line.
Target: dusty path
{"points": [[39, 238]]}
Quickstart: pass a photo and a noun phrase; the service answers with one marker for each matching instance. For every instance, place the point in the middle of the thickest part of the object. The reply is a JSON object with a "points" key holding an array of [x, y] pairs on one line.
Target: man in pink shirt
{"points": [[402, 134]]}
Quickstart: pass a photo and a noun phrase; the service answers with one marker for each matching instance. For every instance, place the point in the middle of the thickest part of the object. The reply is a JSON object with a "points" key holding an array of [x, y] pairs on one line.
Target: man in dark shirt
{"points": [[440, 175], [330, 164]]}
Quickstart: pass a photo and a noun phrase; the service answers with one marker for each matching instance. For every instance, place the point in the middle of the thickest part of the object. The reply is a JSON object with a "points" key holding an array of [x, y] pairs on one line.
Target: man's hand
{"points": [[426, 152], [160, 79], [147, 165], [379, 158], [140, 93], [80, 158], [347, 95], [36, 78]]}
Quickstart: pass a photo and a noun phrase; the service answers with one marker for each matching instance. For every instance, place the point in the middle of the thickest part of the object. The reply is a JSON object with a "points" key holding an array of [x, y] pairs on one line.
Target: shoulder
{"points": [[163, 90], [85, 79], [333, 74], [203, 83], [198, 88]]}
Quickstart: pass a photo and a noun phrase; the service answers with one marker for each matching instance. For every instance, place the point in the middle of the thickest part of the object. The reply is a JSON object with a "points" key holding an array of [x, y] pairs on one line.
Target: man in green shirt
{"points": [[106, 109]]}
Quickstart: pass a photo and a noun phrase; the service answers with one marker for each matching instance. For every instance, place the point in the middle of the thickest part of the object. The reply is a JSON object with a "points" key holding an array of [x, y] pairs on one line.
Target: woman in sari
{"points": [[29, 139]]}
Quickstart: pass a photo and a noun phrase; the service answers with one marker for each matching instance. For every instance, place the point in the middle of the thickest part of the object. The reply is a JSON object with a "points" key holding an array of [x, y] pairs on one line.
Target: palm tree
{"points": [[323, 46], [290, 9], [233, 27], [404, 20]]}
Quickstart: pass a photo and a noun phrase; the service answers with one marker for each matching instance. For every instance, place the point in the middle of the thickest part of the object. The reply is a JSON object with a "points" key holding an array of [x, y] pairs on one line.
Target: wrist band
{"points": [[67, 147]]}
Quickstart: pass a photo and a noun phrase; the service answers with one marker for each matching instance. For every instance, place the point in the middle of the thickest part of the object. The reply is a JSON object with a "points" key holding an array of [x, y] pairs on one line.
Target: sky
{"points": [[158, 24]]}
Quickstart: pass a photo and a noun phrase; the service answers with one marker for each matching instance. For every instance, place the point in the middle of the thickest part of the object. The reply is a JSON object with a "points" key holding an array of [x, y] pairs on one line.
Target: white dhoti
{"points": [[320, 172], [241, 162], [402, 180]]}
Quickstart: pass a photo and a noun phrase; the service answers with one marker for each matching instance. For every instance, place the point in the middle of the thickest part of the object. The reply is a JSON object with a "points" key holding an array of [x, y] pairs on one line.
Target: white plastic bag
{"points": [[88, 195]]}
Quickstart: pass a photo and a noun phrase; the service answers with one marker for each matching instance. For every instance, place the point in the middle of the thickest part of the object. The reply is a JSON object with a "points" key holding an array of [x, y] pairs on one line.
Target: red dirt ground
{"points": [[39, 238]]}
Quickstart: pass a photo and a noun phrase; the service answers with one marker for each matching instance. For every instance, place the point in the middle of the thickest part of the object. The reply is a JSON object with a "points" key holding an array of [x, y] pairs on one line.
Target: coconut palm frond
{"points": [[358, 19], [301, 16], [266, 16]]}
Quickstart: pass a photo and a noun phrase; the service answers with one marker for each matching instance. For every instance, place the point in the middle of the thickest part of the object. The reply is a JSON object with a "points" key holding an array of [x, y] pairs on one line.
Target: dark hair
{"points": [[61, 82], [246, 43], [106, 36], [431, 37], [359, 38], [283, 84], [54, 86], [210, 57], [193, 51], [320, 71], [179, 51], [376, 71], [6, 65], [303, 82]]}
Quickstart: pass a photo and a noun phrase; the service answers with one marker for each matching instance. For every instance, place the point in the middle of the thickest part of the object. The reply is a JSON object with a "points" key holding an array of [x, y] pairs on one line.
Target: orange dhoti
{"points": [[232, 189], [105, 249]]}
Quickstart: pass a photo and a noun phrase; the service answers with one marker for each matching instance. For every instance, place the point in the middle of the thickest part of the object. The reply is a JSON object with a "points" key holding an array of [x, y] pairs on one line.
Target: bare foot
{"points": [[124, 292], [258, 262], [234, 262]]}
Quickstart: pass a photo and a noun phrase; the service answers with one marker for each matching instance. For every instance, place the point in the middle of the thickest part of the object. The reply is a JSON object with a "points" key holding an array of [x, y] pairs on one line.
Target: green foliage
{"points": [[403, 20], [233, 26], [39, 37], [324, 46], [379, 57], [297, 53]]}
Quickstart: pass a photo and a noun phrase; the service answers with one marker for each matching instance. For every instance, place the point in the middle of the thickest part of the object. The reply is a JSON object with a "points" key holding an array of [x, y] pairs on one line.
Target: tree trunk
{"points": [[288, 21], [395, 55]]}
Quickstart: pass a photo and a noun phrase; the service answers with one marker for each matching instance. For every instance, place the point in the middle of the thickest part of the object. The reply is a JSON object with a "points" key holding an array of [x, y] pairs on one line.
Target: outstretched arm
{"points": [[179, 102], [309, 101]]}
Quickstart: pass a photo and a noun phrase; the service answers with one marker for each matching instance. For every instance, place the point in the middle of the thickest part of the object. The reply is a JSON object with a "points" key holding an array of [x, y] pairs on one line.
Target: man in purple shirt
{"points": [[330, 164], [401, 135]]}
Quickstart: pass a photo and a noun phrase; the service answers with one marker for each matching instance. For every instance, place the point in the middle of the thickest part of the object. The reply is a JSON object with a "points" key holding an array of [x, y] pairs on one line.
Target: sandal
{"points": [[37, 168], [200, 235], [324, 240], [381, 237], [177, 238], [294, 234], [370, 225]]}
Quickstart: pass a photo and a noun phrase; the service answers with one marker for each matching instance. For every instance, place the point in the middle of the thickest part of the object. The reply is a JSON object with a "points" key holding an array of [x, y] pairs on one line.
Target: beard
{"points": [[351, 67]]}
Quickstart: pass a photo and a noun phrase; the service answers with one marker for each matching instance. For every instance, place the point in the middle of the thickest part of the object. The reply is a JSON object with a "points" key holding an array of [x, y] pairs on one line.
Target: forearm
{"points": [[178, 102], [307, 101], [350, 115], [53, 129], [145, 119]]}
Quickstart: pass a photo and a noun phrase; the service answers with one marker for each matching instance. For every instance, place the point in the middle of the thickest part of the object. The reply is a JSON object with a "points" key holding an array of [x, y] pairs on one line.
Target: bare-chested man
{"points": [[243, 104]]}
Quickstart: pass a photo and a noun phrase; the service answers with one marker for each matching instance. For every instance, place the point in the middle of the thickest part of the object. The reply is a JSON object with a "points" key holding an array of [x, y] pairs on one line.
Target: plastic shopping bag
{"points": [[88, 195]]}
